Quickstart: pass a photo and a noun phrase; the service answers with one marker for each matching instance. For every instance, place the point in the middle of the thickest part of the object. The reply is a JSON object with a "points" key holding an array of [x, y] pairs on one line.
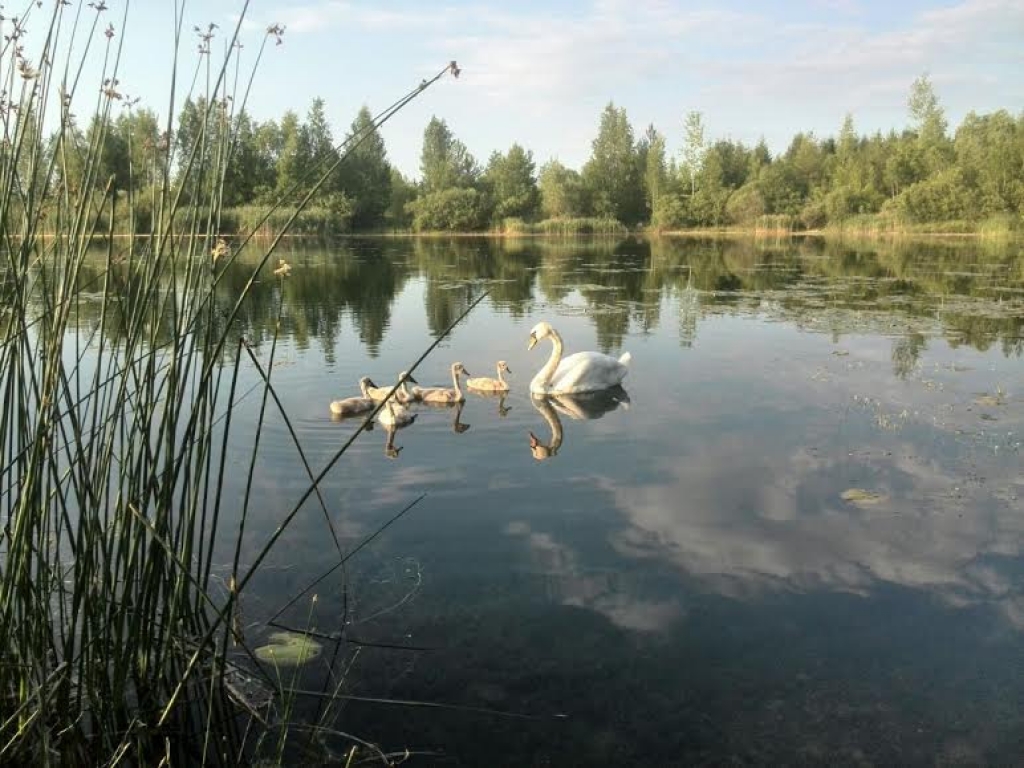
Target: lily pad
{"points": [[862, 498], [288, 649], [990, 401]]}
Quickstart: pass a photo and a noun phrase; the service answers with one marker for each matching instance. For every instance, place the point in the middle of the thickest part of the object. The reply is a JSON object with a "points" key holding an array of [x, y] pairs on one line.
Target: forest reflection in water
{"points": [[969, 293], [793, 535]]}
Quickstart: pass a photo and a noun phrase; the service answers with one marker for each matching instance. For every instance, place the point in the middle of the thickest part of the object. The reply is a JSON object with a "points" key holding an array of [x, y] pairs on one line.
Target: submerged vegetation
{"points": [[119, 584]]}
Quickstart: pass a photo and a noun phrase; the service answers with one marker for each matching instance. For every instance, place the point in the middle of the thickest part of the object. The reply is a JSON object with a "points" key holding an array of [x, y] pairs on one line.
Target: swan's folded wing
{"points": [[586, 371]]}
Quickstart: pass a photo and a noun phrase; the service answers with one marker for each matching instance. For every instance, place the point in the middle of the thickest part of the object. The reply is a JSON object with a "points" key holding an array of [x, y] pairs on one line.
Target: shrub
{"points": [[943, 197], [745, 205], [450, 210], [670, 212]]}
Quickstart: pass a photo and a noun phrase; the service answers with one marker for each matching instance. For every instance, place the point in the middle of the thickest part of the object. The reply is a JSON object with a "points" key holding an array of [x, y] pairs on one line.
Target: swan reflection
{"points": [[390, 449], [457, 426], [579, 407], [500, 397]]}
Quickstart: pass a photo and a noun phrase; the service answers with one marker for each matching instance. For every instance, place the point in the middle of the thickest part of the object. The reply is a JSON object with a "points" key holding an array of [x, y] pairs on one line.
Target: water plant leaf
{"points": [[289, 649], [990, 401], [862, 498]]}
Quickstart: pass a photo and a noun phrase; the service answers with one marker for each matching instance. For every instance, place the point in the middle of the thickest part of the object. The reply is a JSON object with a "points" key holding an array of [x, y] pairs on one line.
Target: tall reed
{"points": [[114, 431]]}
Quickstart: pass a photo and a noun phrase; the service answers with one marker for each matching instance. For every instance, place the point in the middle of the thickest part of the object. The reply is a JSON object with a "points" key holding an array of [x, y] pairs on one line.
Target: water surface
{"points": [[795, 537]]}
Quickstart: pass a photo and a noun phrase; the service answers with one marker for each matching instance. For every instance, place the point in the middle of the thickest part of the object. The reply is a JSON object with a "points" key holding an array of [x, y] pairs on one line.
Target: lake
{"points": [[795, 536]]}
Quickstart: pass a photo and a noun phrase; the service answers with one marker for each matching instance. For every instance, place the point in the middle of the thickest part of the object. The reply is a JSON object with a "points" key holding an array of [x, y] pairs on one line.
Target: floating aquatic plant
{"points": [[288, 649]]}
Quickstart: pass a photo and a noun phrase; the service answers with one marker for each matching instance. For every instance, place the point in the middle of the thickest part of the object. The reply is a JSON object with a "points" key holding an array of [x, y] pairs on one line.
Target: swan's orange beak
{"points": [[533, 342]]}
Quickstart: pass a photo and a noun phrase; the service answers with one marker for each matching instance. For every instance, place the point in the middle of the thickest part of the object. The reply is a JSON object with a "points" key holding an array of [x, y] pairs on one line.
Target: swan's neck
{"points": [[455, 380], [501, 376], [543, 377], [554, 424]]}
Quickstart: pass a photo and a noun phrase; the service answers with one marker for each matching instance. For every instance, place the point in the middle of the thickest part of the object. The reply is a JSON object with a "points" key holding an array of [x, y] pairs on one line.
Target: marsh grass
{"points": [[114, 431]]}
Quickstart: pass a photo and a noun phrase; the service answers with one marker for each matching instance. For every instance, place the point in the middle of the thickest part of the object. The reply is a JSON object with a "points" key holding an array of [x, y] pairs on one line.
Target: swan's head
{"points": [[539, 450], [540, 331], [458, 369], [364, 384], [503, 366], [406, 376]]}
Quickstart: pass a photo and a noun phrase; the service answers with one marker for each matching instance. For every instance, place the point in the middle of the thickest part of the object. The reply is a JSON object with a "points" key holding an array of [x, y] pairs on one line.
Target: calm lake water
{"points": [[795, 537]]}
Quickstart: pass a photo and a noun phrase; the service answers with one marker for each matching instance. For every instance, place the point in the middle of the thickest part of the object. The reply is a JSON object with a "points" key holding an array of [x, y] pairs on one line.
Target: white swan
{"points": [[487, 384], [581, 372], [443, 395], [395, 415], [351, 406], [402, 394]]}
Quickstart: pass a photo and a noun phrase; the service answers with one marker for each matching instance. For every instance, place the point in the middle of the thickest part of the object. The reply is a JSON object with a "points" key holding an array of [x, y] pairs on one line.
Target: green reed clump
{"points": [[589, 225], [116, 407], [266, 221], [777, 222]]}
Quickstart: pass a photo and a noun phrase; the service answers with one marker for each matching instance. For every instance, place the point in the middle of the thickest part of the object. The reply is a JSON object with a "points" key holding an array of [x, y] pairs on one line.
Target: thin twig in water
{"points": [[428, 704]]}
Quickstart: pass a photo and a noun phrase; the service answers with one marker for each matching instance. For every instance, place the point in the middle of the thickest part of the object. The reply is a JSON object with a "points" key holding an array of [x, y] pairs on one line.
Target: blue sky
{"points": [[540, 72]]}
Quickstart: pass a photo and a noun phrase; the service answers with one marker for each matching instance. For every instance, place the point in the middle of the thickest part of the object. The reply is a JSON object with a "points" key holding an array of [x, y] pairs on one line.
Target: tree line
{"points": [[920, 175], [627, 281]]}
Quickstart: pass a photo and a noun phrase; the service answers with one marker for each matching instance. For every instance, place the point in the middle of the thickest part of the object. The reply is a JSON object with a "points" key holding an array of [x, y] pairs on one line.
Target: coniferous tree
{"points": [[366, 173], [512, 183], [445, 162], [611, 175]]}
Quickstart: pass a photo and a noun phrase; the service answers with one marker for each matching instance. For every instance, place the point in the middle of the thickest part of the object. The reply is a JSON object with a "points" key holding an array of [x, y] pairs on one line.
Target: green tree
{"points": [[366, 173], [561, 192], [990, 154], [114, 161], [403, 192], [904, 164], [745, 205], [512, 183], [693, 147], [707, 204], [733, 160], [456, 209], [294, 159], [943, 196], [445, 162], [930, 121], [139, 131], [195, 141], [611, 176], [319, 143], [655, 170], [760, 157], [266, 146], [850, 190], [246, 169]]}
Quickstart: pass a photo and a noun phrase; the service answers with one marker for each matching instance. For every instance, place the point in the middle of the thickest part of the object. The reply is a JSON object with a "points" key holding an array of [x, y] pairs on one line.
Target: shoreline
{"points": [[703, 232]]}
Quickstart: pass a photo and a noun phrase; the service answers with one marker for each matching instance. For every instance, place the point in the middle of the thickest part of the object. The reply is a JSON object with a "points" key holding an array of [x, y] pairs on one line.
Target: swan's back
{"points": [[351, 406], [587, 372]]}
